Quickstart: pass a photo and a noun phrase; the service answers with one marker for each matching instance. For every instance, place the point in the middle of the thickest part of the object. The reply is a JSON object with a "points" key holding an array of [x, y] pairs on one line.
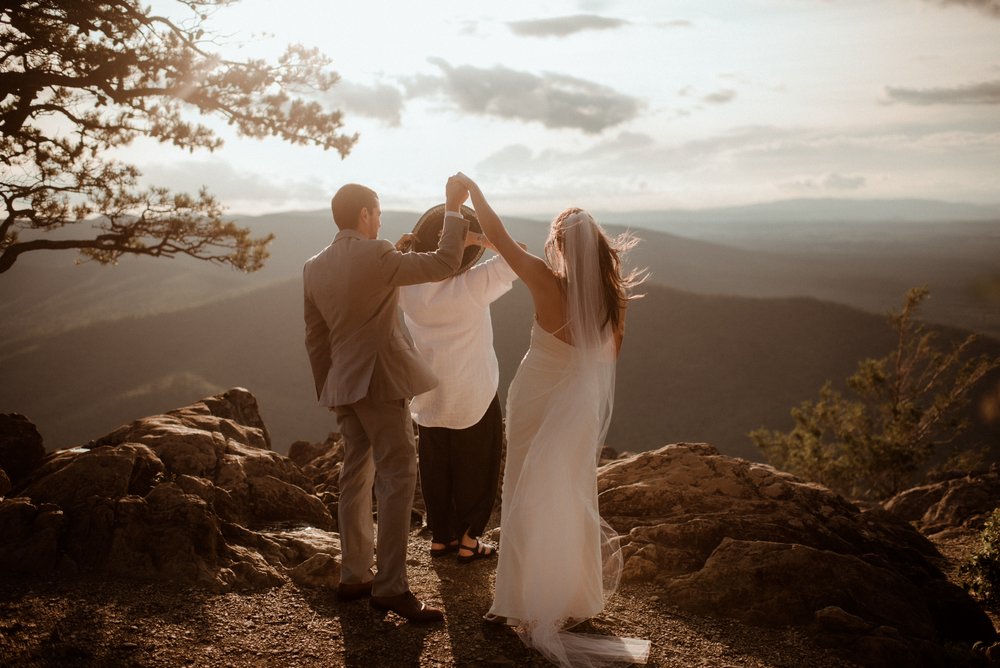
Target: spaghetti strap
{"points": [[561, 328], [556, 331]]}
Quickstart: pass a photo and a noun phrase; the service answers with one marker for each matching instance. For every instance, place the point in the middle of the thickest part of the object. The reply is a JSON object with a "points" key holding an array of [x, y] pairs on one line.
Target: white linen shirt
{"points": [[451, 327]]}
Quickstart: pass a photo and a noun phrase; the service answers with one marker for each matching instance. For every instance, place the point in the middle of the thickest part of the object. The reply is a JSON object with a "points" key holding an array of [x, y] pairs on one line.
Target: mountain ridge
{"points": [[116, 336], [693, 367]]}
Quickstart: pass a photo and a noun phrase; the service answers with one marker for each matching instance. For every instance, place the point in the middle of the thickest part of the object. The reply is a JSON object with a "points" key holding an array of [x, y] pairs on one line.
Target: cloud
{"points": [[555, 100], [749, 163], [228, 184], [381, 101], [675, 23], [776, 155], [520, 158], [990, 7], [722, 96], [840, 182], [562, 26], [512, 158], [987, 92]]}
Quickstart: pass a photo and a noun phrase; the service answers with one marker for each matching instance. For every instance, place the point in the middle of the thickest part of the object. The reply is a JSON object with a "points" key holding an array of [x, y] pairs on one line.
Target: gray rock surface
{"points": [[194, 495], [955, 502], [725, 536]]}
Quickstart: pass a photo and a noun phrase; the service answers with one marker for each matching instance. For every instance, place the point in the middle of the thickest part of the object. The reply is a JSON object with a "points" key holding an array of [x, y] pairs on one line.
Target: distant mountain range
{"points": [[817, 210], [727, 339]]}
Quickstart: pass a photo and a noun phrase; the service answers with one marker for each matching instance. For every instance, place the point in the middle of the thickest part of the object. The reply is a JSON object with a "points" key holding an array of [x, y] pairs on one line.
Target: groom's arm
{"points": [[317, 343], [410, 268]]}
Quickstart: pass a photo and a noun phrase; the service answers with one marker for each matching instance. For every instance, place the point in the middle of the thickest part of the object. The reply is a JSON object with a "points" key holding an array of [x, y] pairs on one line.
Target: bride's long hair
{"points": [[590, 263]]}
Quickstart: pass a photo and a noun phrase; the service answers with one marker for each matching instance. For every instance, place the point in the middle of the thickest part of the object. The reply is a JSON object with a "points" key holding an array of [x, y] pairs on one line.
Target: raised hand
{"points": [[468, 183], [455, 194], [477, 239], [406, 242]]}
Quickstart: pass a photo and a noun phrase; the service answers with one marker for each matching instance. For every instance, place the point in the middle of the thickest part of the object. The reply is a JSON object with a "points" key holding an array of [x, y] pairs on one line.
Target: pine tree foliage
{"points": [[80, 79], [980, 574], [908, 407]]}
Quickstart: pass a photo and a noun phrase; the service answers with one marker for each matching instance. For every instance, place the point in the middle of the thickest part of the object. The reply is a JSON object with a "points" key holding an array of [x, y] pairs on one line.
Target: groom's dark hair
{"points": [[348, 202]]}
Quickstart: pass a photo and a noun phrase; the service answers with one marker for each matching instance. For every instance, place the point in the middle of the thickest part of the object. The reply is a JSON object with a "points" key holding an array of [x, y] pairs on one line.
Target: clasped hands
{"points": [[456, 192]]}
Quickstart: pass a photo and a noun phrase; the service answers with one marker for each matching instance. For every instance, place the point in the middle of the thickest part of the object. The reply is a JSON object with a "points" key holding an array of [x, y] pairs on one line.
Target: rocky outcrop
{"points": [[197, 496], [21, 448], [956, 502], [322, 463], [304, 452], [194, 495], [223, 441], [720, 535]]}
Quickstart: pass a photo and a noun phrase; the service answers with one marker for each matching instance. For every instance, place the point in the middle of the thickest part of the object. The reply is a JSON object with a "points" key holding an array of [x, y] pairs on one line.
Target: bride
{"points": [[558, 560]]}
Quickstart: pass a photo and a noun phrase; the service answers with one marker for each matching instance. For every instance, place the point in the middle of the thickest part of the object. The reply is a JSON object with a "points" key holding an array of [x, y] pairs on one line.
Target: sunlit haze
{"points": [[634, 105]]}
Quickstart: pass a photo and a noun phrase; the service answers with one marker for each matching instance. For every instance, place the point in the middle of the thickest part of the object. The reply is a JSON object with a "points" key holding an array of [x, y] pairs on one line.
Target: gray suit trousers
{"points": [[379, 450]]}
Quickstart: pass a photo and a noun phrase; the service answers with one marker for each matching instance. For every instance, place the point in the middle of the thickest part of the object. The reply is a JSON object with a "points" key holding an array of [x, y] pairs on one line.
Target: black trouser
{"points": [[459, 472]]}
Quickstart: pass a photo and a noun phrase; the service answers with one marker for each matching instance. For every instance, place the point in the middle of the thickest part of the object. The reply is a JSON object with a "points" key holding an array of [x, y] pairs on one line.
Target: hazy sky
{"points": [[623, 105]]}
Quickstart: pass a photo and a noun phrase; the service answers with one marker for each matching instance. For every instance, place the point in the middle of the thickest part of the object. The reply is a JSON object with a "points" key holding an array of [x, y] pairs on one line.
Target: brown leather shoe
{"points": [[406, 605], [352, 591]]}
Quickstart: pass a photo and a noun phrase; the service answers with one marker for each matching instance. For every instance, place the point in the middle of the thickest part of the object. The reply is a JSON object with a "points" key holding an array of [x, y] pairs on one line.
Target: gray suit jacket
{"points": [[357, 343]]}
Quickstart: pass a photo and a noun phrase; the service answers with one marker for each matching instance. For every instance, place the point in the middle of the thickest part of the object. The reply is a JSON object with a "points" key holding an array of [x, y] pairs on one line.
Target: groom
{"points": [[366, 370]]}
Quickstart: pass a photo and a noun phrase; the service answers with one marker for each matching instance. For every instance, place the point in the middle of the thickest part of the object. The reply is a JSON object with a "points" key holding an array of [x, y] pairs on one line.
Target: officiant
{"points": [[459, 422]]}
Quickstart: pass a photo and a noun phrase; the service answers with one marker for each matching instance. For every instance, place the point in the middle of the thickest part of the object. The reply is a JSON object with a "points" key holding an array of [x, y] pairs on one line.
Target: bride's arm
{"points": [[530, 268]]}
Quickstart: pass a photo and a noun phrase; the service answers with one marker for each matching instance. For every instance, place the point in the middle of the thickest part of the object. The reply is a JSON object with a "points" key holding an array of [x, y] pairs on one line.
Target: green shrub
{"points": [[981, 573], [907, 409]]}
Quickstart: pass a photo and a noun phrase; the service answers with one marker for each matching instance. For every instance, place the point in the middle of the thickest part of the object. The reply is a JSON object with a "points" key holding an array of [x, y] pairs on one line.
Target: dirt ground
{"points": [[89, 622]]}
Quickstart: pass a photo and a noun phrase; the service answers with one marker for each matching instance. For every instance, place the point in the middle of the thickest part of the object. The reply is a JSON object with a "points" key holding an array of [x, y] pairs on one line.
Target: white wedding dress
{"points": [[558, 560]]}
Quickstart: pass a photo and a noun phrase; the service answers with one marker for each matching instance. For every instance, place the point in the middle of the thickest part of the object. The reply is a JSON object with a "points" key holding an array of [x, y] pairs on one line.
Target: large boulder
{"points": [[194, 495], [31, 538], [71, 478], [323, 463], [21, 448], [726, 536], [304, 452], [222, 440], [955, 502]]}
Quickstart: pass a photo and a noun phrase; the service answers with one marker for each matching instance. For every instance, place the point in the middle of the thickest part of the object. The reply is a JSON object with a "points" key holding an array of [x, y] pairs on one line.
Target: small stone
{"points": [[993, 653], [839, 619]]}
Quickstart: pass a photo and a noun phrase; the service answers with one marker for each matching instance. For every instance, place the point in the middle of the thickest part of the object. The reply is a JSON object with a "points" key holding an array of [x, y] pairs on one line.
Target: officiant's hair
{"points": [[348, 202]]}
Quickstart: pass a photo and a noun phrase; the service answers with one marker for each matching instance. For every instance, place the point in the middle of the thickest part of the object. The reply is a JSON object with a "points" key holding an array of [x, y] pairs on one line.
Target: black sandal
{"points": [[447, 549], [491, 618], [480, 551]]}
